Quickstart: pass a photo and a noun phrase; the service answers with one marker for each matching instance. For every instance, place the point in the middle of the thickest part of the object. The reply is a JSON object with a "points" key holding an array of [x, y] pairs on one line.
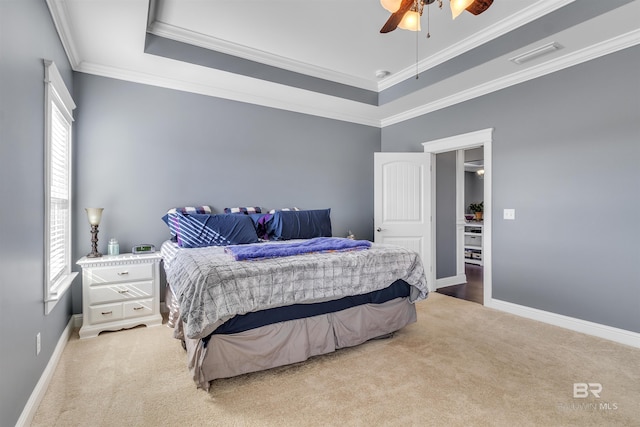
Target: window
{"points": [[58, 125]]}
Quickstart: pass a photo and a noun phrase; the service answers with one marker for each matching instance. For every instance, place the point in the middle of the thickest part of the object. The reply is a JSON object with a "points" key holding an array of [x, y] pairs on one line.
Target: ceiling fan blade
{"points": [[479, 6], [396, 17]]}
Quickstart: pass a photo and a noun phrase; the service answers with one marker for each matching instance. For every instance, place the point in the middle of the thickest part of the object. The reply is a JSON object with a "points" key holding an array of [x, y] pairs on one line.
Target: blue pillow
{"points": [[199, 230], [286, 225], [185, 210]]}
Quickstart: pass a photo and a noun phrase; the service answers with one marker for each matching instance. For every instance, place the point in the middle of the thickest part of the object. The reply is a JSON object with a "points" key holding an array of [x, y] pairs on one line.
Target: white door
{"points": [[402, 202]]}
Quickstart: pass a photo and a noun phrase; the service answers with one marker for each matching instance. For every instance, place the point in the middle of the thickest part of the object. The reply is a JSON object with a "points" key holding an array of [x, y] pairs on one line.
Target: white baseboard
{"points": [[40, 389], [621, 336], [450, 281]]}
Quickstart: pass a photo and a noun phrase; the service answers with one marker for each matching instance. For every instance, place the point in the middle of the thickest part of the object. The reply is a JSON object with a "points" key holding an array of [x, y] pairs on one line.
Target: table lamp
{"points": [[94, 215]]}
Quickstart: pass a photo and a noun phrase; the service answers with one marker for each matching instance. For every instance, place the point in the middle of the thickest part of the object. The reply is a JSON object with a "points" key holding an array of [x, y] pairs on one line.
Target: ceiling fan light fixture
{"points": [[410, 21], [458, 6], [406, 14], [391, 5]]}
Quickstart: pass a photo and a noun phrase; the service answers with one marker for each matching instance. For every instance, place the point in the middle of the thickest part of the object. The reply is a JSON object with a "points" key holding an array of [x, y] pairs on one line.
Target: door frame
{"points": [[482, 138]]}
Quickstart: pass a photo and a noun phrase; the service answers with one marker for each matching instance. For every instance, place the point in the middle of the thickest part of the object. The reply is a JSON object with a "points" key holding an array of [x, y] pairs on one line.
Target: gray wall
{"points": [[142, 150], [446, 215], [565, 156], [27, 36]]}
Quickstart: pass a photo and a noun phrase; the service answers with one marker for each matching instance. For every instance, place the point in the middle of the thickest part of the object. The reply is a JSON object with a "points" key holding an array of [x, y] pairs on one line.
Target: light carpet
{"points": [[461, 364]]}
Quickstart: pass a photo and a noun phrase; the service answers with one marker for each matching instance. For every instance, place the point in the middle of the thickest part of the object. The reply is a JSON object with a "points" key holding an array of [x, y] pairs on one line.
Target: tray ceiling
{"points": [[322, 57]]}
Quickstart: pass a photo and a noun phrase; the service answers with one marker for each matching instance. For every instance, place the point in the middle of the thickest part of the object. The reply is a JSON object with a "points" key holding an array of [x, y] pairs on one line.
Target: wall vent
{"points": [[536, 53]]}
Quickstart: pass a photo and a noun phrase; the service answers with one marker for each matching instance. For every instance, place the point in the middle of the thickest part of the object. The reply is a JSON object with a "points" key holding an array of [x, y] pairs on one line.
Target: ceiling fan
{"points": [[406, 13]]}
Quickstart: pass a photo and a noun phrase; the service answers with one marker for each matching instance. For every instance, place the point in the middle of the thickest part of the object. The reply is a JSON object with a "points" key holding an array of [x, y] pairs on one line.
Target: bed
{"points": [[250, 306]]}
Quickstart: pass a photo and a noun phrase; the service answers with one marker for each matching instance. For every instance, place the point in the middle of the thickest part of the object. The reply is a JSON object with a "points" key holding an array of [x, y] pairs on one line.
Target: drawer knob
{"points": [[123, 273], [138, 308], [105, 313], [123, 291]]}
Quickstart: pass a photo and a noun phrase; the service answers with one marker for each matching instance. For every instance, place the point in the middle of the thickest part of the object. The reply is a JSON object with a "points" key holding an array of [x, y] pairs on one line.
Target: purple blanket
{"points": [[272, 250]]}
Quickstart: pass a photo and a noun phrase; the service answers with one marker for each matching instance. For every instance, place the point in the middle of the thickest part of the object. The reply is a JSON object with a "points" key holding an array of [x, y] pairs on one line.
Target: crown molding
{"points": [[592, 52], [221, 92], [487, 34], [614, 44], [60, 14], [194, 38]]}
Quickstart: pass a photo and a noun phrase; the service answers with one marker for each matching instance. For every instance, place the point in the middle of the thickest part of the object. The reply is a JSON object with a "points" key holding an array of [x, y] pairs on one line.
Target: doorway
{"points": [[470, 287], [469, 177]]}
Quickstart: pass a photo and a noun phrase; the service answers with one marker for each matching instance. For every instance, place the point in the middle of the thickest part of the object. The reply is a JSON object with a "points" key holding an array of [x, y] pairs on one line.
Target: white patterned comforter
{"points": [[211, 287]]}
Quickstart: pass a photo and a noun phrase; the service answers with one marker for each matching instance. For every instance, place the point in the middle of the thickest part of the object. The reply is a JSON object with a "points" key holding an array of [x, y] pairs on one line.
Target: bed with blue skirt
{"points": [[250, 291]]}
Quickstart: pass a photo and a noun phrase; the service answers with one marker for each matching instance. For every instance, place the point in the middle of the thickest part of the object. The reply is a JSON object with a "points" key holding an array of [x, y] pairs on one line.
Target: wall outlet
{"points": [[38, 346]]}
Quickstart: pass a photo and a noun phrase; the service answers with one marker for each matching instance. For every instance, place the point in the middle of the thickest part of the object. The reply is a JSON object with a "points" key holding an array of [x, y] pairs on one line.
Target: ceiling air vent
{"points": [[536, 53]]}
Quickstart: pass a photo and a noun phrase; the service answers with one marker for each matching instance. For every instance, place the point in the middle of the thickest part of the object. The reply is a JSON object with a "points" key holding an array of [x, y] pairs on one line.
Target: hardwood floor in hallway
{"points": [[472, 290]]}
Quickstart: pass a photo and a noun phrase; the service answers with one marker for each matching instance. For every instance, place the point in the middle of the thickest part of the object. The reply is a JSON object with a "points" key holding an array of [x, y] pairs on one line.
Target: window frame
{"points": [[58, 104]]}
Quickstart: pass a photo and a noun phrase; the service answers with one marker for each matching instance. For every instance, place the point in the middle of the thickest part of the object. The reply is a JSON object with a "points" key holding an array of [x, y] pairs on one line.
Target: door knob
{"points": [[378, 229]]}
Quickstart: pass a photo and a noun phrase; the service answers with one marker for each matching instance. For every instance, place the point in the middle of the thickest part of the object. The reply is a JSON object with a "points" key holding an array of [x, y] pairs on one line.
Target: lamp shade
{"points": [[410, 21], [391, 5], [94, 215], [458, 6]]}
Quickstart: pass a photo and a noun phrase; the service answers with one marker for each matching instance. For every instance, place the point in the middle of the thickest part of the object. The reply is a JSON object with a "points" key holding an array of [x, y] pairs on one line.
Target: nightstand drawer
{"points": [[120, 273], [125, 291], [138, 308], [105, 313]]}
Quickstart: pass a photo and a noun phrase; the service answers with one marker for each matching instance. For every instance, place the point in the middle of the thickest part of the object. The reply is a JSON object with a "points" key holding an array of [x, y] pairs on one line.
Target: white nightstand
{"points": [[120, 291]]}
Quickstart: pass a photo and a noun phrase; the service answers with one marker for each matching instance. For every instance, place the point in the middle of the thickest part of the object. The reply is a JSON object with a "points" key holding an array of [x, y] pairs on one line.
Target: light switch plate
{"points": [[509, 214]]}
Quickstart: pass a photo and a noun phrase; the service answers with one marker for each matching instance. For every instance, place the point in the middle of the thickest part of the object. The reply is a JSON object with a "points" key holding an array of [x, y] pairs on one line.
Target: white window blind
{"points": [[59, 197], [58, 139]]}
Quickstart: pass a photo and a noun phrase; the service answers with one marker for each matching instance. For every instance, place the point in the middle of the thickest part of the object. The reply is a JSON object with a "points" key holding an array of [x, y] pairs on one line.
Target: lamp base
{"points": [[94, 243]]}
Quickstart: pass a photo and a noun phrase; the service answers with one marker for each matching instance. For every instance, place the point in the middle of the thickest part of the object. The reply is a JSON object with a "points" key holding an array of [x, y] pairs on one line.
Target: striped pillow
{"points": [[272, 211], [243, 210], [191, 210]]}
